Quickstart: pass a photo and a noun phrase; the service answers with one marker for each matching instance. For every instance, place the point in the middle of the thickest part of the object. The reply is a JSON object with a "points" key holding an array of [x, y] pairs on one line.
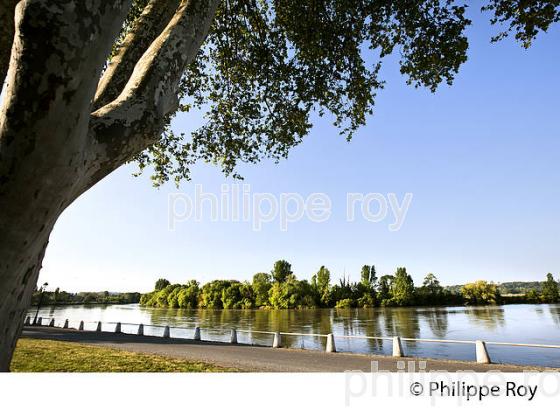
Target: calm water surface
{"points": [[510, 323]]}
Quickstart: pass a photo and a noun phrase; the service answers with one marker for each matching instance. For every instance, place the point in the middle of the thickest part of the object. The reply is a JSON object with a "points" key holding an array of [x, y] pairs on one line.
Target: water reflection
{"points": [[359, 322], [489, 317], [555, 313], [539, 311], [437, 320]]}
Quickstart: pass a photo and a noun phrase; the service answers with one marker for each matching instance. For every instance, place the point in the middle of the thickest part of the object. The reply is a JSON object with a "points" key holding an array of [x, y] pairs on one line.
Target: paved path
{"points": [[253, 358]]}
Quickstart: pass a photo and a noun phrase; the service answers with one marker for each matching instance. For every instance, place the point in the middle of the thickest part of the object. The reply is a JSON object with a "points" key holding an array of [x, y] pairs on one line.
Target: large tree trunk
{"points": [[21, 263], [52, 146], [56, 59]]}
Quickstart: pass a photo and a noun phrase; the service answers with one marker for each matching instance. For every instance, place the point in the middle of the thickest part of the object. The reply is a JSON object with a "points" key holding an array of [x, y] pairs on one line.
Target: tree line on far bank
{"points": [[280, 289], [59, 297]]}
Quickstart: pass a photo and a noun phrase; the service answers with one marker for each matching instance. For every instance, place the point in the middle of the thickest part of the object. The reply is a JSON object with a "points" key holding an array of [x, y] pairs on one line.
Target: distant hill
{"points": [[519, 288], [507, 288]]}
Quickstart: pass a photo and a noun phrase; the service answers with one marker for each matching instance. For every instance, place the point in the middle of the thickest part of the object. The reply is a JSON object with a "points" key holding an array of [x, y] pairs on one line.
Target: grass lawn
{"points": [[32, 355]]}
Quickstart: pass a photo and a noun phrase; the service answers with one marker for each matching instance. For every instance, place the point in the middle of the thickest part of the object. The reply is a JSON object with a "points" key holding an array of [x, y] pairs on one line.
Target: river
{"points": [[510, 323]]}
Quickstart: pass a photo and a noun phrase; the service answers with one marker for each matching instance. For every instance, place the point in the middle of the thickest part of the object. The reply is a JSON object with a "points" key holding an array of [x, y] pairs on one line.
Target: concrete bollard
{"points": [[196, 333], [166, 332], [331, 348], [233, 338], [51, 323], [65, 324], [482, 355], [397, 347], [277, 342], [118, 328], [81, 327], [140, 330], [98, 327], [27, 321]]}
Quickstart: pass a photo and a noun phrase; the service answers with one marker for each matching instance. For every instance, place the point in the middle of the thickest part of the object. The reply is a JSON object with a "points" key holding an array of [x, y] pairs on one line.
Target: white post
{"points": [[140, 330], [331, 348], [27, 321], [98, 327], [51, 323], [118, 328], [166, 332], [397, 347], [482, 355], [81, 327], [65, 324], [277, 342], [233, 338], [196, 333]]}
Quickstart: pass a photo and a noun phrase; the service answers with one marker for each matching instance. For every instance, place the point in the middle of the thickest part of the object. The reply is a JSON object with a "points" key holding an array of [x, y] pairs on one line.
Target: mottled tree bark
{"points": [[52, 146], [146, 29]]}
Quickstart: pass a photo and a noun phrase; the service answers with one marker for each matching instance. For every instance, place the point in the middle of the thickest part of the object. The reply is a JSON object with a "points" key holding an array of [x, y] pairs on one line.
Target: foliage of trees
{"points": [[368, 276], [515, 288], [532, 296], [262, 282], [384, 287], [431, 292], [480, 292], [281, 271], [59, 297], [188, 295], [520, 288], [367, 287], [402, 289], [291, 293], [550, 290], [282, 290], [320, 282], [162, 283]]}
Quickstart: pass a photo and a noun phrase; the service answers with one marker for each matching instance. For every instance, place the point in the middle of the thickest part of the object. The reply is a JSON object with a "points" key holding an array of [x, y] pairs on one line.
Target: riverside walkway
{"points": [[260, 359]]}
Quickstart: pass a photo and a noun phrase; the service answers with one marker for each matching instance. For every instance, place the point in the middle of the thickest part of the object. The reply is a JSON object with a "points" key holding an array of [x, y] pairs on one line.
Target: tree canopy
{"points": [[263, 70], [550, 290], [281, 271], [480, 292]]}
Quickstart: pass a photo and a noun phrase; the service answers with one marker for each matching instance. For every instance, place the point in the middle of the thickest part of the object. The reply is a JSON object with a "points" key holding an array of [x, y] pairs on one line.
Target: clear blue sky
{"points": [[481, 159]]}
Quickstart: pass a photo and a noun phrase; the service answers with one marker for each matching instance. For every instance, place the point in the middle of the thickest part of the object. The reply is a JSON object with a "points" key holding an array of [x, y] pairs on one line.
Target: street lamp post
{"points": [[43, 287]]}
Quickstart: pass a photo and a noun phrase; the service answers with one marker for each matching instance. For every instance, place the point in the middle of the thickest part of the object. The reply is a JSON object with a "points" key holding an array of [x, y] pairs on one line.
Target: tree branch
{"points": [[150, 24], [135, 120], [58, 54]]}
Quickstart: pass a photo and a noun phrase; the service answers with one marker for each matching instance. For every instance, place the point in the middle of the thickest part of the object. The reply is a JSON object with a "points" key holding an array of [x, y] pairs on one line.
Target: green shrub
{"points": [[344, 304]]}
